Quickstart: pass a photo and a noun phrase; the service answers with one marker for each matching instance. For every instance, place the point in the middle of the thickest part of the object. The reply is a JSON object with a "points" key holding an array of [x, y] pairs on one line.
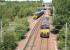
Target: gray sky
{"points": [[30, 0], [47, 0]]}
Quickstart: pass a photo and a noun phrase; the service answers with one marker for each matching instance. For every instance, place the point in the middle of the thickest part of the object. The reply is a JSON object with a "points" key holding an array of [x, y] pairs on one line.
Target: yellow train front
{"points": [[35, 16], [44, 29], [38, 14]]}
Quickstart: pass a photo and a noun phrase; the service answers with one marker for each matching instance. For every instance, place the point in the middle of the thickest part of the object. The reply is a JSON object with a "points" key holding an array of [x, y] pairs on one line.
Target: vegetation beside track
{"points": [[14, 22], [62, 15]]}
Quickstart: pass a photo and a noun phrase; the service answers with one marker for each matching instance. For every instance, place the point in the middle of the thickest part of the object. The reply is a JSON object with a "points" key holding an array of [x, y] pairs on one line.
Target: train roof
{"points": [[39, 12], [45, 21]]}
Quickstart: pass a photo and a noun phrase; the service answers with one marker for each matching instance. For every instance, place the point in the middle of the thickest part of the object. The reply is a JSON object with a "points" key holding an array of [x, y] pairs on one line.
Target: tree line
{"points": [[62, 16], [14, 22]]}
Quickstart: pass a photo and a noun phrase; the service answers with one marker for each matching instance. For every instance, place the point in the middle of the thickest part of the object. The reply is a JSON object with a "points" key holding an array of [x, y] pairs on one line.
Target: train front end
{"points": [[44, 31]]}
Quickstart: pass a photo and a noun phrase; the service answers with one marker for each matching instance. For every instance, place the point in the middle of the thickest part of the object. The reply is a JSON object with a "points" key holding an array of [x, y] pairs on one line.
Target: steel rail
{"points": [[42, 39], [36, 34], [34, 29]]}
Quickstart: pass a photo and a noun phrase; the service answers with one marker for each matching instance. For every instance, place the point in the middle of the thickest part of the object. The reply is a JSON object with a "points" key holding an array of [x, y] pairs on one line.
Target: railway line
{"points": [[33, 36], [35, 42], [44, 44]]}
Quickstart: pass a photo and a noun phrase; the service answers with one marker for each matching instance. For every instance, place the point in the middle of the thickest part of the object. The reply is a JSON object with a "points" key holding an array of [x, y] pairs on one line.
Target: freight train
{"points": [[38, 14], [45, 29]]}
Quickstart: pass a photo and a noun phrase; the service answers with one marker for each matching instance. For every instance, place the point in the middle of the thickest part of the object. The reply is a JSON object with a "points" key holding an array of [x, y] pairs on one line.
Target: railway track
{"points": [[44, 44], [33, 36], [35, 42]]}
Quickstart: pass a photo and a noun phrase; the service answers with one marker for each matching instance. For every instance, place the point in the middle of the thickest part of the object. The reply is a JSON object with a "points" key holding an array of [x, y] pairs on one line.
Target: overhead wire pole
{"points": [[66, 37], [1, 35], [66, 30], [53, 13]]}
